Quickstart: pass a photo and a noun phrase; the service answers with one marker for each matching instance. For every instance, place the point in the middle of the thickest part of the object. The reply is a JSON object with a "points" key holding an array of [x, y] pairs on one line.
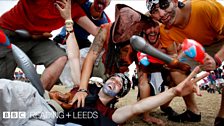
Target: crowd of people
{"points": [[19, 75], [214, 82], [165, 26]]}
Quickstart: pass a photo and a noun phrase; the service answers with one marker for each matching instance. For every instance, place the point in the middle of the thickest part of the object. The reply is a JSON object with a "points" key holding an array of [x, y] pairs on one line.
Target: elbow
{"points": [[62, 60], [95, 32]]}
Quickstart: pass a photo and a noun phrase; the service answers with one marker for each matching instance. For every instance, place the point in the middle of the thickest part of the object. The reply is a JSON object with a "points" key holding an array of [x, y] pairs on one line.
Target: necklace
{"points": [[95, 18]]}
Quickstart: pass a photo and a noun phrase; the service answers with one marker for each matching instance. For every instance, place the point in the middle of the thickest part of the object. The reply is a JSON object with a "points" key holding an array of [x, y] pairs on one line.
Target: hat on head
{"points": [[151, 4], [126, 84], [128, 22]]}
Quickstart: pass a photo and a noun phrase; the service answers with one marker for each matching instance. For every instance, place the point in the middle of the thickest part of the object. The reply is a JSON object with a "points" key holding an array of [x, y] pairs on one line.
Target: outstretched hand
{"points": [[80, 98], [189, 85], [64, 7]]}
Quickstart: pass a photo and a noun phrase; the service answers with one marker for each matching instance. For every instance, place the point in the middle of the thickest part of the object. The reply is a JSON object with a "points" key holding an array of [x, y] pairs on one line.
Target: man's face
{"points": [[165, 15], [100, 5], [152, 33], [113, 86]]}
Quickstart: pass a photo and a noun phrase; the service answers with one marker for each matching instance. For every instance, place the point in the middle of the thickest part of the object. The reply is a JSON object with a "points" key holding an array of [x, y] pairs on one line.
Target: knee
{"points": [[177, 77], [61, 60]]}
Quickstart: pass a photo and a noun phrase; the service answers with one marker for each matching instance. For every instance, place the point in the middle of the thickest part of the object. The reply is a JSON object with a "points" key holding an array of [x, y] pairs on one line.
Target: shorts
{"points": [[41, 52]]}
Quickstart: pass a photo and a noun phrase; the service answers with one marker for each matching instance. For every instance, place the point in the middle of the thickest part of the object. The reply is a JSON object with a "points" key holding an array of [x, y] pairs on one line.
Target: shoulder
{"points": [[105, 17], [165, 36], [209, 6]]}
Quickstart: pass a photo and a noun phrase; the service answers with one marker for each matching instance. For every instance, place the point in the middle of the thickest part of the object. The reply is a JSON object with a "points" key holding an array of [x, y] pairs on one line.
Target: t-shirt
{"points": [[205, 24], [80, 33], [97, 104], [95, 113], [36, 16]]}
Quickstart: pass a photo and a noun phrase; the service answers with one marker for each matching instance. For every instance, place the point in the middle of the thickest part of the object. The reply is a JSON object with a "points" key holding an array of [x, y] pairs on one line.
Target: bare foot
{"points": [[150, 120]]}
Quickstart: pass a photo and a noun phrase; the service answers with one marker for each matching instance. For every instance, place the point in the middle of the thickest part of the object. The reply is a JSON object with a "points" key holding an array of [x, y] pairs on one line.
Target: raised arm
{"points": [[184, 88], [88, 25], [73, 57], [89, 61], [64, 8]]}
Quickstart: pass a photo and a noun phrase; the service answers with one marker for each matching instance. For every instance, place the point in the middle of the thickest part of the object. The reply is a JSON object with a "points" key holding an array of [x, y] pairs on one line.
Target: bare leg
{"points": [[221, 110], [191, 104], [189, 99], [52, 73], [144, 89], [192, 113], [219, 120]]}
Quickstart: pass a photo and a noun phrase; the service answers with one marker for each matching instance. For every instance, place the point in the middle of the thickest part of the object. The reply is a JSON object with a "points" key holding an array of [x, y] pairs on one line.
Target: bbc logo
{"points": [[14, 115]]}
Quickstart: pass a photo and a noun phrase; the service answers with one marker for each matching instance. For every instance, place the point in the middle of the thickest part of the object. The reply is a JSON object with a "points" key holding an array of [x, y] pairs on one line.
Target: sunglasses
{"points": [[164, 4], [153, 8]]}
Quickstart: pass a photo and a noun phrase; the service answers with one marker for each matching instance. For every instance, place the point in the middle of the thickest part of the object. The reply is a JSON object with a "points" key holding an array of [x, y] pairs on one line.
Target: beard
{"points": [[108, 91]]}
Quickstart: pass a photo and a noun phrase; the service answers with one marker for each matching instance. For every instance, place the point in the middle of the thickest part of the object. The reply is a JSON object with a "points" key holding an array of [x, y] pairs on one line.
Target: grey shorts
{"points": [[211, 50], [41, 52]]}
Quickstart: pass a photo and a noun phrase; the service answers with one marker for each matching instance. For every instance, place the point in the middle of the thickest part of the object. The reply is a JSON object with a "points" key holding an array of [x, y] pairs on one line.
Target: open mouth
{"points": [[110, 87], [152, 36]]}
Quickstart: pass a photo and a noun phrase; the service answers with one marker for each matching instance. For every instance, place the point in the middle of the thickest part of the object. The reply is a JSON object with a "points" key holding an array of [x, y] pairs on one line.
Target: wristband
{"points": [[69, 22], [217, 61], [69, 26], [82, 90], [69, 29], [68, 33]]}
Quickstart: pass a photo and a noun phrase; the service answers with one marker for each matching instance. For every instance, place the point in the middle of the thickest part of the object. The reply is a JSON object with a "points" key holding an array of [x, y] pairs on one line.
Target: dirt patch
{"points": [[208, 104]]}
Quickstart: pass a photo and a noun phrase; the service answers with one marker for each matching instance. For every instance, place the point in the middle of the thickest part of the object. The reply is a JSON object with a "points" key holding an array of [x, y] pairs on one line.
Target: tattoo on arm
{"points": [[98, 42]]}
